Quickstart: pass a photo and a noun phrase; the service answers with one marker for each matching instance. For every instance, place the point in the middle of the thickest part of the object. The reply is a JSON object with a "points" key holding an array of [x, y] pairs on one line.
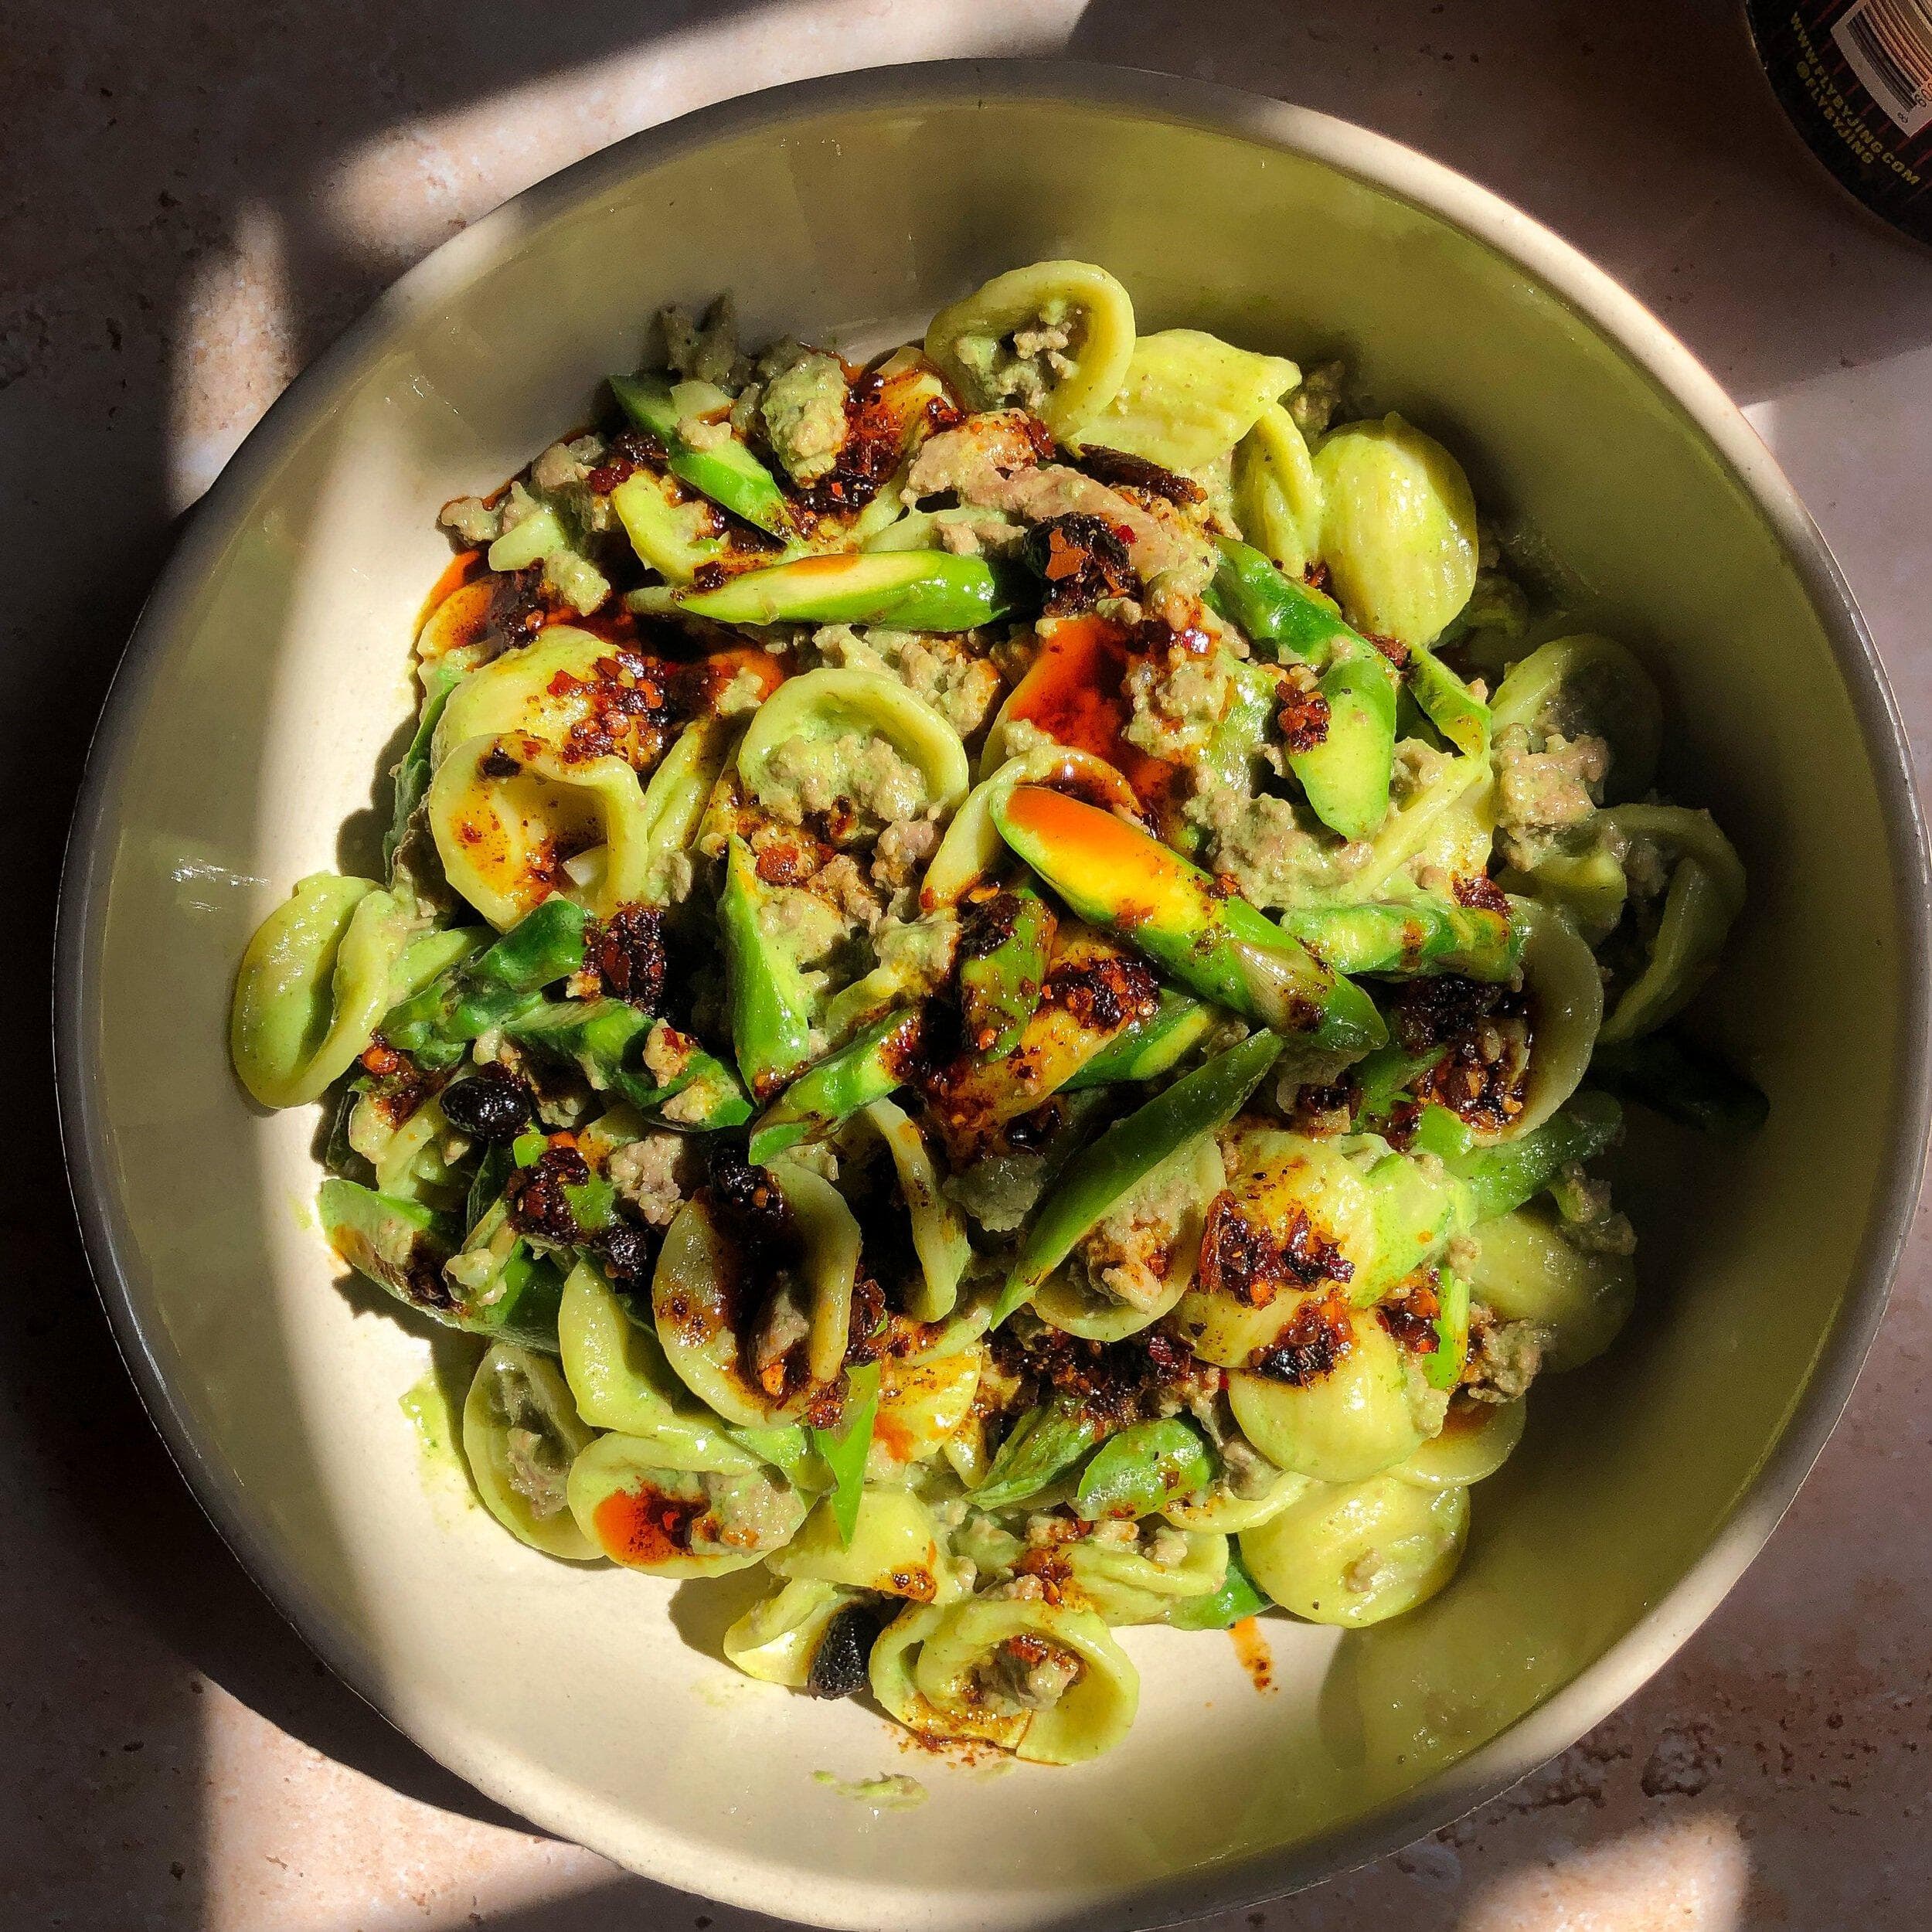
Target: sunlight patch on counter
{"points": [[1688, 1877]]}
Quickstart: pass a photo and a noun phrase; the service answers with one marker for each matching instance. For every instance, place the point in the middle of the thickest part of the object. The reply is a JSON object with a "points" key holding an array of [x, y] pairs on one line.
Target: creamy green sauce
{"points": [[1024, 365], [427, 1407], [810, 775], [889, 1791], [805, 412]]}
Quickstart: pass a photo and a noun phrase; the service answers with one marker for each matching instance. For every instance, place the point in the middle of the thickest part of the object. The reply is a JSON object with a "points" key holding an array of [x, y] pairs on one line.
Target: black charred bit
{"points": [[1310, 1346], [629, 1253], [538, 1203], [988, 923], [1120, 470], [489, 1106], [628, 955], [753, 1211], [1080, 559], [839, 1665]]}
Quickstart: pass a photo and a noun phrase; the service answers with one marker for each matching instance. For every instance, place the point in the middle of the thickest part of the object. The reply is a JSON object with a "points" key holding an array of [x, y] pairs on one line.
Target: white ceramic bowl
{"points": [[252, 714]]}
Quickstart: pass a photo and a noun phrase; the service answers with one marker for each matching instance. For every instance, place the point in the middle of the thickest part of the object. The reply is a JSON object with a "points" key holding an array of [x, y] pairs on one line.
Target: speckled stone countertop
{"points": [[192, 202]]}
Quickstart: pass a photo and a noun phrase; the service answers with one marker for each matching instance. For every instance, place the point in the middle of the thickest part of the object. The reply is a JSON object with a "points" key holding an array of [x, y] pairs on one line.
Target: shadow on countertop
{"points": [[140, 141]]}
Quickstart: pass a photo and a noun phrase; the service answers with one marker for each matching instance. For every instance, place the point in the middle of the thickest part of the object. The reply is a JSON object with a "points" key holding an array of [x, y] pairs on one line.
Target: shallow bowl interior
{"points": [[270, 676]]}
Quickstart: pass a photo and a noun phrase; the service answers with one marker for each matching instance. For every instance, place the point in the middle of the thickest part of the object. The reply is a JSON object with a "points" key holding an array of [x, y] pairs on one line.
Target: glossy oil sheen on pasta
{"points": [[1001, 983]]}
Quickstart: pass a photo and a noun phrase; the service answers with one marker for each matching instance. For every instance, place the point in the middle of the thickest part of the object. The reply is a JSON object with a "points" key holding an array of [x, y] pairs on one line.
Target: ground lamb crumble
{"points": [[1504, 1358], [808, 778], [992, 461], [1540, 793], [1178, 701], [1260, 842], [951, 674], [903, 847], [656, 1174]]}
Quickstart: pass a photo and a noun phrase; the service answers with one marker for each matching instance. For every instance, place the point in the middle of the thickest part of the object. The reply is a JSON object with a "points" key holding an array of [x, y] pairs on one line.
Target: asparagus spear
{"points": [[1503, 1174], [1213, 942], [1151, 1047], [1003, 967], [771, 1006], [505, 979], [1127, 1152], [727, 472], [914, 590], [870, 1066], [1423, 935], [1667, 1075]]}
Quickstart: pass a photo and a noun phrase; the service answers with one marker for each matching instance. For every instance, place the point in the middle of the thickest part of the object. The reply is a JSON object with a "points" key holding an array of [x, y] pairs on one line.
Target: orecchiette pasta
{"points": [[1136, 1264], [1047, 1682], [1528, 1269], [1588, 685], [511, 814], [1057, 337], [778, 1640], [894, 1550], [315, 980], [639, 1504], [1356, 1552], [1277, 496], [1566, 997], [615, 1367], [520, 1435], [998, 985], [845, 716], [703, 1292], [1188, 397], [1351, 1420], [1398, 528], [1140, 1581], [1478, 1438], [1288, 1191], [568, 681], [939, 1232], [1704, 896], [922, 1407]]}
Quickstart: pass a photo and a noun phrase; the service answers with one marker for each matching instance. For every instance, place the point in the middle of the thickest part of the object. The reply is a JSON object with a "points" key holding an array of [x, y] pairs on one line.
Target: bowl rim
{"points": [[1394, 169]]}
